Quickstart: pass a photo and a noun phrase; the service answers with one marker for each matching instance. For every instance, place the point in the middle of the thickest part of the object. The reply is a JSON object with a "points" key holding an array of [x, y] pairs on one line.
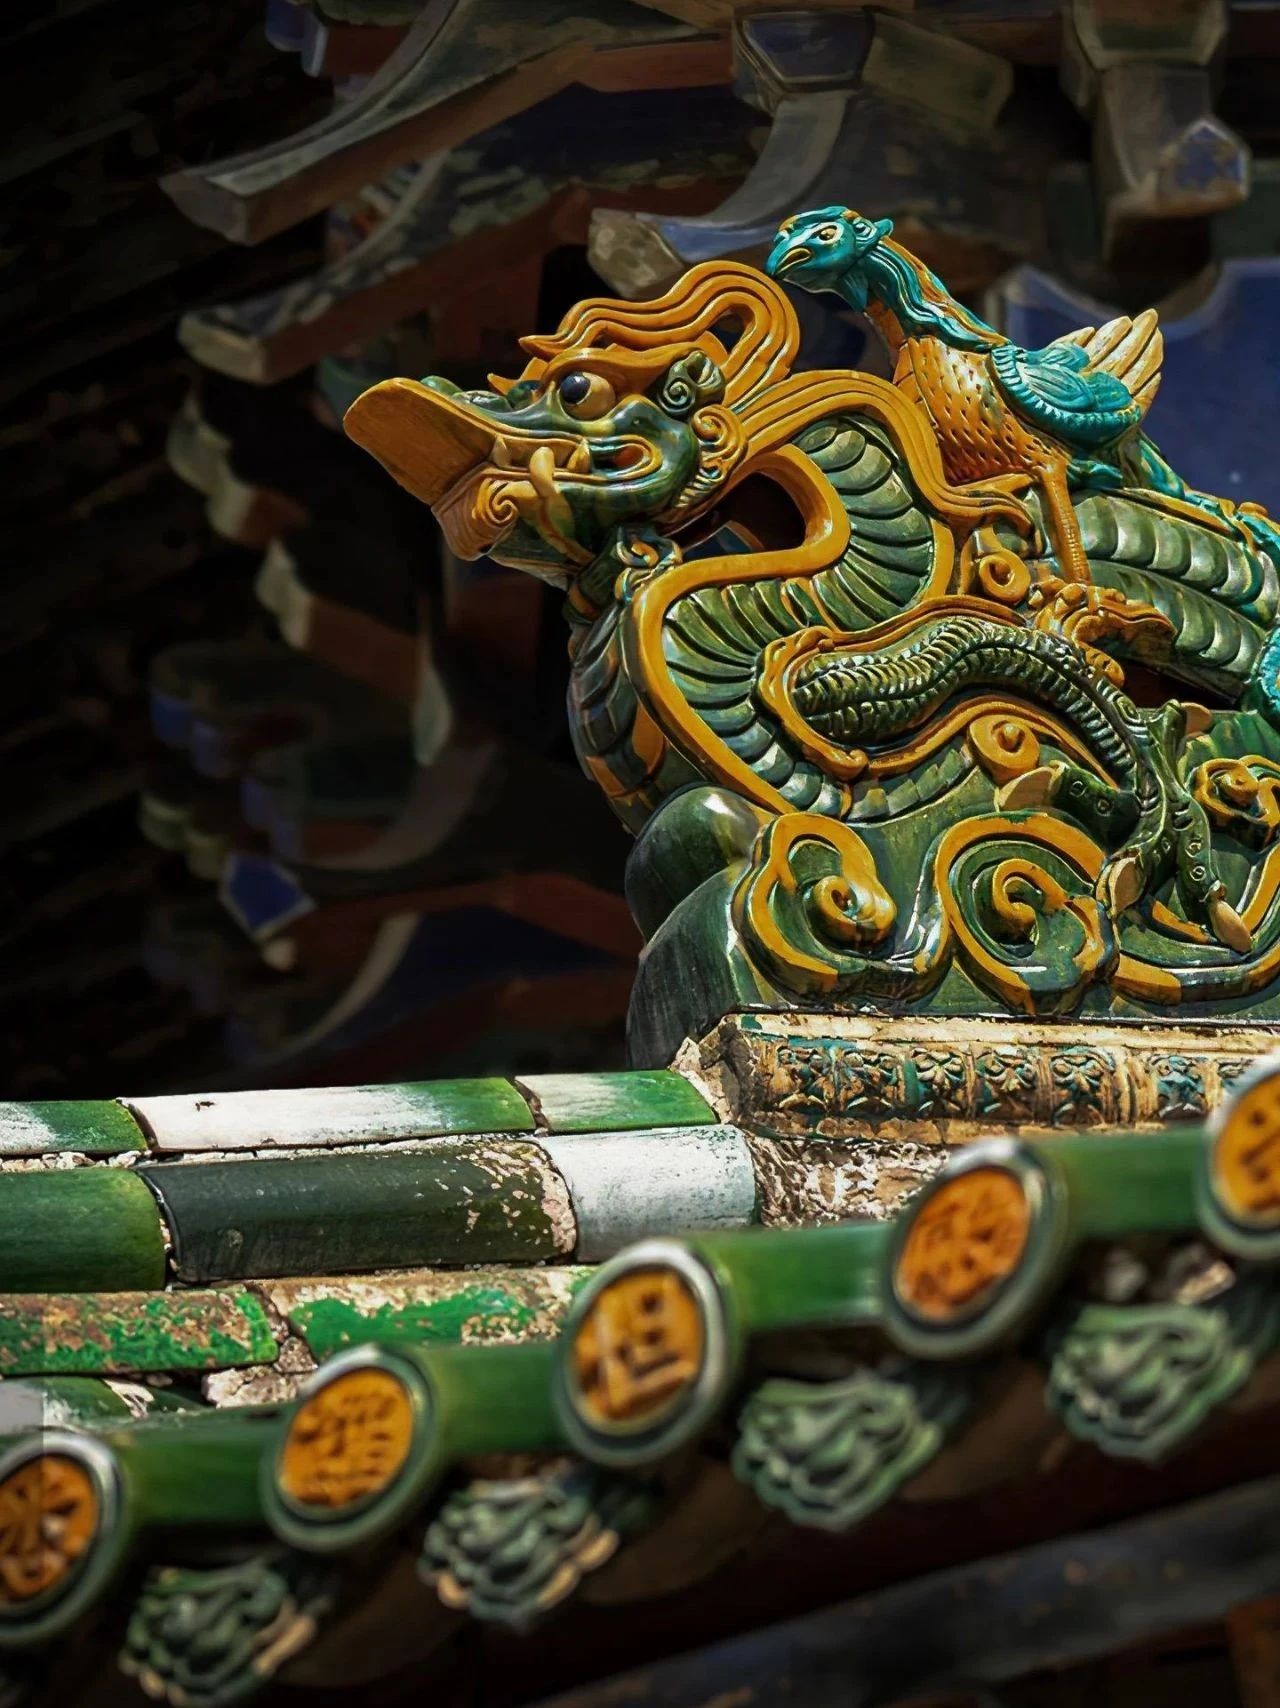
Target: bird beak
{"points": [[794, 257]]}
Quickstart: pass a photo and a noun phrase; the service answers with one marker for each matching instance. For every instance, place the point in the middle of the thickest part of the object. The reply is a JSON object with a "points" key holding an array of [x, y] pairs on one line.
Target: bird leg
{"points": [[1073, 565]]}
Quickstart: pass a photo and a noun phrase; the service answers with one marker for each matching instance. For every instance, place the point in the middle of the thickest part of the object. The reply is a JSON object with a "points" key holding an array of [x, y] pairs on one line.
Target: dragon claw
{"points": [[1122, 883], [1228, 927], [1197, 719], [1167, 836], [1033, 788], [1129, 876]]}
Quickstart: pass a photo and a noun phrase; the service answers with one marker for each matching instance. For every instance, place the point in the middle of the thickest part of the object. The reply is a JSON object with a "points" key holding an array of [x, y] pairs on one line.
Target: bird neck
{"points": [[905, 300], [892, 332]]}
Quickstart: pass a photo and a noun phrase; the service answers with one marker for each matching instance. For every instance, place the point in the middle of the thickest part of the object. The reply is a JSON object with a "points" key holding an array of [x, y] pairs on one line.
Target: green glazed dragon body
{"points": [[893, 703]]}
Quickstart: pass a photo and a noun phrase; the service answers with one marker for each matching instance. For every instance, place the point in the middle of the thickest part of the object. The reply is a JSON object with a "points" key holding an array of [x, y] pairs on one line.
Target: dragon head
{"points": [[827, 249], [623, 417]]}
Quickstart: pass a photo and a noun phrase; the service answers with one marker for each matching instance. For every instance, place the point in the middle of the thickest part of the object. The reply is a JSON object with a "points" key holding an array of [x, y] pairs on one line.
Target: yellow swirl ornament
{"points": [[811, 899]]}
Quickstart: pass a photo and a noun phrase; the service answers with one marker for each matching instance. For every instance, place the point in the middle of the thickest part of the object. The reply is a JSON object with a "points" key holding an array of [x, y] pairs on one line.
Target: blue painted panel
{"points": [[449, 955], [809, 50], [261, 896], [212, 749], [170, 719]]}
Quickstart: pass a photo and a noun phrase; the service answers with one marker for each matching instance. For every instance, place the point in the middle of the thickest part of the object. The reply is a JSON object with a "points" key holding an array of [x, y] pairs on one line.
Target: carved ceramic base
{"points": [[943, 1082]]}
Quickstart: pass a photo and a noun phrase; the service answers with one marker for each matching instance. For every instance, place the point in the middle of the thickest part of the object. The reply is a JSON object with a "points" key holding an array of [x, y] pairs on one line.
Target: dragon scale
{"points": [[715, 635], [855, 700]]}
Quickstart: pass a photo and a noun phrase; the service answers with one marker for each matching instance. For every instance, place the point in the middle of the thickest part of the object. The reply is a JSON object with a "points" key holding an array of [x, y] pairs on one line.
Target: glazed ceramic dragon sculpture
{"points": [[887, 676]]}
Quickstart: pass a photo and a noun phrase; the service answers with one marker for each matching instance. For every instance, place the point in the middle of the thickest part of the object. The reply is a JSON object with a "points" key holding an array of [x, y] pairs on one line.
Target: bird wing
{"points": [[1089, 387], [1131, 351], [1057, 391], [1056, 376]]}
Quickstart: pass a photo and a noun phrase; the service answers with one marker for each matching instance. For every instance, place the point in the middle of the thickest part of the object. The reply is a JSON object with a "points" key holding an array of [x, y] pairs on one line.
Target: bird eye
{"points": [[586, 396], [827, 233]]}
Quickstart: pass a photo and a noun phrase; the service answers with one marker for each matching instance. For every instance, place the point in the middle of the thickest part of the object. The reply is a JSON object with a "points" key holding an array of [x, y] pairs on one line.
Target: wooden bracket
{"points": [[1144, 75]]}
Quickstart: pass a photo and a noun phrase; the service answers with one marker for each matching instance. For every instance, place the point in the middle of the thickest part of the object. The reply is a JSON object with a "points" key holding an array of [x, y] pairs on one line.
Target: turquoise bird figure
{"points": [[1061, 415]]}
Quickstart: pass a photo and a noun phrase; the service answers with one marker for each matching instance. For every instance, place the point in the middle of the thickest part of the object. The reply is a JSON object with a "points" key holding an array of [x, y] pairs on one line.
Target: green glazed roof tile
{"points": [[614, 1102], [37, 1401], [40, 1129], [79, 1230], [477, 1307], [458, 1201], [336, 1115], [106, 1333]]}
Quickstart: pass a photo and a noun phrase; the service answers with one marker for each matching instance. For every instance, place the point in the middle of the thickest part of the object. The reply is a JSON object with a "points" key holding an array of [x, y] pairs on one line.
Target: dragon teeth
{"points": [[541, 464], [542, 471]]}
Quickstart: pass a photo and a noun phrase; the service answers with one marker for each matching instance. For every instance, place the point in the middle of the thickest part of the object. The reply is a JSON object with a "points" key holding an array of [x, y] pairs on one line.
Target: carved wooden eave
{"points": [[442, 235], [458, 72], [1144, 77]]}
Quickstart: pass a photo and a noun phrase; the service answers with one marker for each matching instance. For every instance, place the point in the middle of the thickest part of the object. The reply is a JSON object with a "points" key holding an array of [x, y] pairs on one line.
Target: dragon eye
{"points": [[827, 233], [586, 396]]}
